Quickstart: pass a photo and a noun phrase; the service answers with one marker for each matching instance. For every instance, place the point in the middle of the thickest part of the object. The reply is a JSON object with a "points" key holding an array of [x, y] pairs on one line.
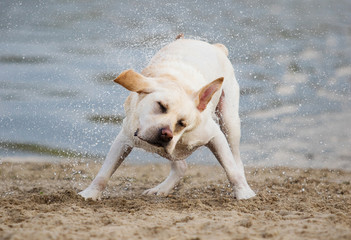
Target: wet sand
{"points": [[39, 201]]}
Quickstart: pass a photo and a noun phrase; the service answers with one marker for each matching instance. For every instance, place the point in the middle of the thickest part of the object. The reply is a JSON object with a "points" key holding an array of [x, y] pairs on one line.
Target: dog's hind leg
{"points": [[178, 169], [118, 152]]}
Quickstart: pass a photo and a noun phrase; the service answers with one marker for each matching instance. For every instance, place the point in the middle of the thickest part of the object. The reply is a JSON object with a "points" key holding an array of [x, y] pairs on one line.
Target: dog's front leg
{"points": [[118, 152], [220, 148]]}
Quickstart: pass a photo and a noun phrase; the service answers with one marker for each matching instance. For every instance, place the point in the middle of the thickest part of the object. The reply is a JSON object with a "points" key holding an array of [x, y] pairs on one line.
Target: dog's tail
{"points": [[180, 36], [222, 48]]}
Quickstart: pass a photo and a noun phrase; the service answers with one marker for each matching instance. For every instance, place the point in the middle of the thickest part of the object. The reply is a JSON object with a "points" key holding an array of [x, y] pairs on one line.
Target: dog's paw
{"points": [[89, 193], [244, 193], [159, 191]]}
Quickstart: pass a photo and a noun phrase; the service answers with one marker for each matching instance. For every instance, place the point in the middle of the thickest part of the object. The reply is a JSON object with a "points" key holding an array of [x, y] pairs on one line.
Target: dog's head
{"points": [[165, 110]]}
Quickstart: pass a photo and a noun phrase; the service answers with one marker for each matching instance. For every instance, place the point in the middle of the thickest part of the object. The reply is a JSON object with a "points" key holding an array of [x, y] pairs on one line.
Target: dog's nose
{"points": [[166, 135]]}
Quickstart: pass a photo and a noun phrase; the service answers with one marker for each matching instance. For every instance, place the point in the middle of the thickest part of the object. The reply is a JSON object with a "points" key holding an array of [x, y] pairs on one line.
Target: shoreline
{"points": [[316, 141], [341, 164]]}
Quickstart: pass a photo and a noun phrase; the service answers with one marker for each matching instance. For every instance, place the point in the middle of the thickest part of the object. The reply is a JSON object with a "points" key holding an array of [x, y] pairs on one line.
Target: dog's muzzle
{"points": [[160, 139]]}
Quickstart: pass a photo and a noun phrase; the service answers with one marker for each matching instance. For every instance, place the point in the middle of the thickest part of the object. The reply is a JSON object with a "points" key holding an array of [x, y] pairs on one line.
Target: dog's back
{"points": [[209, 61]]}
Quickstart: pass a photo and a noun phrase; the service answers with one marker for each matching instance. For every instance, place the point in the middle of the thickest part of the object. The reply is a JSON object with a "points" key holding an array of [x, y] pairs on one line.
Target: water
{"points": [[58, 60]]}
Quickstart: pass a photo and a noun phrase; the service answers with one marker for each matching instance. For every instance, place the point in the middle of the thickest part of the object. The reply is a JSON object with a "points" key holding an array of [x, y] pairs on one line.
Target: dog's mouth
{"points": [[153, 142]]}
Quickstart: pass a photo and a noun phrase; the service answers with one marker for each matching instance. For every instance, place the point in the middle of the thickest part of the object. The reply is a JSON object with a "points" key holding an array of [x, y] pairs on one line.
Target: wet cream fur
{"points": [[195, 82]]}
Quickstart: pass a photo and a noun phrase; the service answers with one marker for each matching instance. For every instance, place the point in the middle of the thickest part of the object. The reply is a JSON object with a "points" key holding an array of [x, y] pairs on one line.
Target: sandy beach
{"points": [[40, 201]]}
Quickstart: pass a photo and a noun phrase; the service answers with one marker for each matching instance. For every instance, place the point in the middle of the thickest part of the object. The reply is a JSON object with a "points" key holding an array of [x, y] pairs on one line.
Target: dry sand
{"points": [[39, 201]]}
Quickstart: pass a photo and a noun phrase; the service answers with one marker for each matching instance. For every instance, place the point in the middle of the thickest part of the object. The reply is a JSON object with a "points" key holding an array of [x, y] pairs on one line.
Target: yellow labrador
{"points": [[185, 98]]}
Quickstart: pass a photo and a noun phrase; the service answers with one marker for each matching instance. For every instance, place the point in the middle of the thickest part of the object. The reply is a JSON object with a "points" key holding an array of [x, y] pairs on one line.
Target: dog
{"points": [[185, 98]]}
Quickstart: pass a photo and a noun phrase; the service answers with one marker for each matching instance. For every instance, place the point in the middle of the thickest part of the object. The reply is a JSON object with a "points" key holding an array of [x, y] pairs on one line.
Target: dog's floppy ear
{"points": [[134, 81], [204, 95]]}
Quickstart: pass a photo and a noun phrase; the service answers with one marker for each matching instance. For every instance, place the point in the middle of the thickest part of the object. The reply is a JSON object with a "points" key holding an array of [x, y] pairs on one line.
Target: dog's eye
{"points": [[181, 123], [163, 108]]}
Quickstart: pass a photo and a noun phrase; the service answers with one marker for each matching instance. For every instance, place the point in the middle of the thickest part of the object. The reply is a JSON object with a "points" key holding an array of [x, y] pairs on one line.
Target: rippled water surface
{"points": [[58, 59]]}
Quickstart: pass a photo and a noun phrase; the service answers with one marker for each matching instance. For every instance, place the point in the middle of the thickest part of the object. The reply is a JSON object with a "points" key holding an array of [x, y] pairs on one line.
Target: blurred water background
{"points": [[292, 60]]}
